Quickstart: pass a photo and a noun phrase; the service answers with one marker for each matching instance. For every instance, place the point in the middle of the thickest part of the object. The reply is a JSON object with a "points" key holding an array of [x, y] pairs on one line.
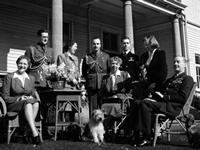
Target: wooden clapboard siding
{"points": [[192, 12], [18, 29], [193, 47], [80, 35]]}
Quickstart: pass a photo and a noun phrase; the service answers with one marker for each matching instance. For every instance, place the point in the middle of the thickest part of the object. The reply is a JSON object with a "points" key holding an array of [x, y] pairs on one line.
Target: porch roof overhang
{"points": [[168, 7]]}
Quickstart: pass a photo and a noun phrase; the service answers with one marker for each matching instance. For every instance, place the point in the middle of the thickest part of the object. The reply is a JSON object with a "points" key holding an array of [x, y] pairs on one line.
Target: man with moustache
{"points": [[40, 56], [96, 64]]}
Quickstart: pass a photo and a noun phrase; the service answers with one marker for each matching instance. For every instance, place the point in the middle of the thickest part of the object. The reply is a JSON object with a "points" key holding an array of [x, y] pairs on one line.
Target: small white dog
{"points": [[96, 126]]}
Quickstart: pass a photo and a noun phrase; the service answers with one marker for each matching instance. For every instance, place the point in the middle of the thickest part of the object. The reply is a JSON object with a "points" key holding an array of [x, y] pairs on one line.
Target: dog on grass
{"points": [[96, 126]]}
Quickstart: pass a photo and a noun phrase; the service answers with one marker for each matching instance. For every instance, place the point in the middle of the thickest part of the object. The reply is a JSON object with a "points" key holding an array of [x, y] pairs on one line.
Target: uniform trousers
{"points": [[141, 115]]}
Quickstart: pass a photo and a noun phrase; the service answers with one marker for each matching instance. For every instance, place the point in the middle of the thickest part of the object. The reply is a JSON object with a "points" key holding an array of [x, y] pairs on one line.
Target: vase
{"points": [[67, 85], [58, 84]]}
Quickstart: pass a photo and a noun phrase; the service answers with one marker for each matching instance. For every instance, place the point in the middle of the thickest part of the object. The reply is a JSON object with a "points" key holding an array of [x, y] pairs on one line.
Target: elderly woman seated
{"points": [[114, 88]]}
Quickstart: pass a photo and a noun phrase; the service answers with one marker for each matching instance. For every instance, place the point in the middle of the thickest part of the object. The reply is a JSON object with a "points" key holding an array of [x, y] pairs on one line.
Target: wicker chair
{"points": [[163, 124], [11, 119]]}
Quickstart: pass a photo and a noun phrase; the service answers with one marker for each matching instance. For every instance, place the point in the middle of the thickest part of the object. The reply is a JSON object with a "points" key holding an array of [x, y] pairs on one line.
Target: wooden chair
{"points": [[11, 119], [163, 123]]}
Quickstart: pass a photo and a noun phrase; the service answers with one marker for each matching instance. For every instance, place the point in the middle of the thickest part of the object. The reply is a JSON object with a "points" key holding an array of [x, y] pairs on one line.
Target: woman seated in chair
{"points": [[114, 88], [20, 95], [169, 101]]}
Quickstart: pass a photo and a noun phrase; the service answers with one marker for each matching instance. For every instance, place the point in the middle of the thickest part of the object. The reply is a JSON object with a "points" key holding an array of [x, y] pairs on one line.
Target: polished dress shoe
{"points": [[144, 142], [36, 140], [134, 143]]}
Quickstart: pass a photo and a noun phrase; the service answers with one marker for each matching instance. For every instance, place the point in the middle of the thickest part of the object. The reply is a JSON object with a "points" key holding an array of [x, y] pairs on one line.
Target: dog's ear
{"points": [[103, 111], [94, 112]]}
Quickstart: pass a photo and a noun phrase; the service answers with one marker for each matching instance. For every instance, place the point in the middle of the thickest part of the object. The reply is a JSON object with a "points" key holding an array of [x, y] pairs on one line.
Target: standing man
{"points": [[130, 61], [40, 56], [95, 65]]}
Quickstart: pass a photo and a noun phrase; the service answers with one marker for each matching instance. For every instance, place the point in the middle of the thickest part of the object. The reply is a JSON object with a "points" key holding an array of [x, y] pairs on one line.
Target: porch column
{"points": [[177, 38], [128, 21], [57, 27]]}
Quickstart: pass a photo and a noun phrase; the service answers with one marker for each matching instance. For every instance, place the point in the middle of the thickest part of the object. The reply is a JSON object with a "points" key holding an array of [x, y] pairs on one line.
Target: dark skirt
{"points": [[19, 106]]}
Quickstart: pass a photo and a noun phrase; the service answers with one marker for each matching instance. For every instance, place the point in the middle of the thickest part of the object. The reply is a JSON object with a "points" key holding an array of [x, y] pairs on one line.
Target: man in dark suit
{"points": [[129, 60], [95, 65], [169, 101]]}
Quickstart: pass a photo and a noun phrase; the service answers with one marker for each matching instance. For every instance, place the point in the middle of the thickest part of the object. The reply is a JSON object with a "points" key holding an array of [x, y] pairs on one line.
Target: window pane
{"points": [[197, 59], [110, 41]]}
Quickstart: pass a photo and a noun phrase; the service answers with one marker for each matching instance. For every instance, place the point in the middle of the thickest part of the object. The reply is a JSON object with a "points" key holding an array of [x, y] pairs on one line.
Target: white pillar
{"points": [[128, 20], [177, 38], [57, 27]]}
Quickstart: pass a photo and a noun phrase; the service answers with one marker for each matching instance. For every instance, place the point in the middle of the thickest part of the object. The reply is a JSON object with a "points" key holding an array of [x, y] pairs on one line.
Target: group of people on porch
{"points": [[126, 75]]}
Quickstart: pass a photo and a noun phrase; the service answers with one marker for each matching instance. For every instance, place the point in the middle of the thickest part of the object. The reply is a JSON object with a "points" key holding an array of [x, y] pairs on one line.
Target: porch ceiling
{"points": [[116, 7], [142, 9]]}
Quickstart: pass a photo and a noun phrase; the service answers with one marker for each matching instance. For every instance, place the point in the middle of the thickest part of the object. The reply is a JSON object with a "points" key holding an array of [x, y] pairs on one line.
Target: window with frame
{"points": [[197, 61], [110, 42]]}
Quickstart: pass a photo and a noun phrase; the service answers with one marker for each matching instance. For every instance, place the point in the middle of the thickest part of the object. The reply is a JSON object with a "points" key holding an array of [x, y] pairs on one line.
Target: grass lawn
{"points": [[177, 143]]}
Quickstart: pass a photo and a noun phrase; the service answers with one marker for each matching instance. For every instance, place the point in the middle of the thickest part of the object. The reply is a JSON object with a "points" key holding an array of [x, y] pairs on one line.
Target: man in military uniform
{"points": [[40, 56], [95, 65], [169, 101], [130, 61]]}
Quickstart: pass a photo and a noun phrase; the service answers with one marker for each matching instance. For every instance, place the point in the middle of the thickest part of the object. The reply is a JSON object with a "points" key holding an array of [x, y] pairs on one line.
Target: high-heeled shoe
{"points": [[36, 140]]}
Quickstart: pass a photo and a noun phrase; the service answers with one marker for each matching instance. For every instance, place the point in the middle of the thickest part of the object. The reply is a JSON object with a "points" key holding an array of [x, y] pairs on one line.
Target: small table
{"points": [[62, 98]]}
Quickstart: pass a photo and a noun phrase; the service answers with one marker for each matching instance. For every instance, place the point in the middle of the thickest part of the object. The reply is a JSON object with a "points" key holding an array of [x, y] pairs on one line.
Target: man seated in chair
{"points": [[114, 88], [169, 101]]}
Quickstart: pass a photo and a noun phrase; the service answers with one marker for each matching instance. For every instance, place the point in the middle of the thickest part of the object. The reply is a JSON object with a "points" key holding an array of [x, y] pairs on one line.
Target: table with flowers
{"points": [[62, 93], [65, 100]]}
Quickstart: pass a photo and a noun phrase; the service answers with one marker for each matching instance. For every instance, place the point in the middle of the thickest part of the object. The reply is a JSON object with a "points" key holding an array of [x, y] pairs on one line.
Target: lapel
{"points": [[154, 59], [19, 84], [69, 58], [27, 84], [109, 83], [41, 48]]}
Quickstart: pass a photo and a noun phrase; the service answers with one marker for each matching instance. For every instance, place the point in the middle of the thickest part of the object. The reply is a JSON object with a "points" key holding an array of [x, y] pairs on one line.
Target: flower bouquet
{"points": [[57, 75]]}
